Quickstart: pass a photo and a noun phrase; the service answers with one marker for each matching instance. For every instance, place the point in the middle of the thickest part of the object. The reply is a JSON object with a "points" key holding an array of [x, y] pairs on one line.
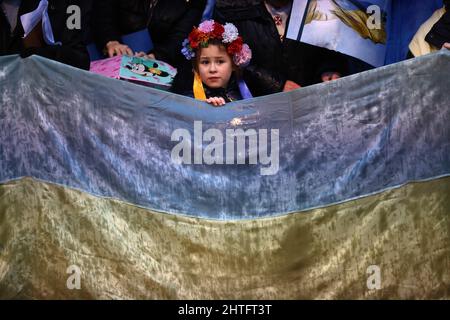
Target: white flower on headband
{"points": [[231, 33]]}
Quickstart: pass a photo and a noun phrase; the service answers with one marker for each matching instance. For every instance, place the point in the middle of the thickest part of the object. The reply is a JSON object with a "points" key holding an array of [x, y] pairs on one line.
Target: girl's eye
{"points": [[220, 61], [204, 62]]}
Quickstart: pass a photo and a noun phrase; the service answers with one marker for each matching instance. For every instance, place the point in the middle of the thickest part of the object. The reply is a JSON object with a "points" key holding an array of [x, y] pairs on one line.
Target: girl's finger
{"points": [[216, 101], [128, 51]]}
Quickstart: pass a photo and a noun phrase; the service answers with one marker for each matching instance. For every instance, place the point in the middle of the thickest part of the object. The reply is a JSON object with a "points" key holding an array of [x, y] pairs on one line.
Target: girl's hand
{"points": [[446, 46], [115, 48], [216, 101]]}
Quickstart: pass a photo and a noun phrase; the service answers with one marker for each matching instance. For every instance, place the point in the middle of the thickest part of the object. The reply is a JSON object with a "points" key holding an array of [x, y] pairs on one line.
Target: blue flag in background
{"points": [[407, 16], [209, 10], [341, 25], [346, 26]]}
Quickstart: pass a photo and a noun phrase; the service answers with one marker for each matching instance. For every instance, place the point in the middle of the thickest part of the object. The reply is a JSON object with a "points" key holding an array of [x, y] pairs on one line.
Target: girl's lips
{"points": [[213, 78]]}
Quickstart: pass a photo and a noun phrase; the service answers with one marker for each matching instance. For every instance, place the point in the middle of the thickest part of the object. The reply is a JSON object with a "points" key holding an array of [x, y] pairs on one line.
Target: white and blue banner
{"points": [[356, 28], [376, 31]]}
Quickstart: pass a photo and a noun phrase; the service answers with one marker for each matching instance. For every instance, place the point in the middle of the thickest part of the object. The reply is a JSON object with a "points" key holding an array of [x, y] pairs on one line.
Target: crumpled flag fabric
{"points": [[126, 252]]}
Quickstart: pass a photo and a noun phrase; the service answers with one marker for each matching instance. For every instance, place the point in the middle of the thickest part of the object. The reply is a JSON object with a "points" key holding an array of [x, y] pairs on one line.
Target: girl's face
{"points": [[215, 66]]}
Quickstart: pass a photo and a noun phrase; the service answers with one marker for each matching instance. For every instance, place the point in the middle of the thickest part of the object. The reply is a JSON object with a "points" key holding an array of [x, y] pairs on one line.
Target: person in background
{"points": [[168, 23], [278, 64], [30, 27]]}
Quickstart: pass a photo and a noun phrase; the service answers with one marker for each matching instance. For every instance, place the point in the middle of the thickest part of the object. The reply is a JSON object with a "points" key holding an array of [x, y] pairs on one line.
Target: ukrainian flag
{"points": [[359, 207]]}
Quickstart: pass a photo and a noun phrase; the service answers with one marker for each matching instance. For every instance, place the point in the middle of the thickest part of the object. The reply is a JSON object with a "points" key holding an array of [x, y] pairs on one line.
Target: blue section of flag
{"points": [[354, 4], [338, 141], [407, 16], [209, 10]]}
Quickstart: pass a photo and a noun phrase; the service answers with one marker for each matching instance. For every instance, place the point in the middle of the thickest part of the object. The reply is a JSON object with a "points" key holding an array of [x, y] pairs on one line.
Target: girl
{"points": [[217, 52]]}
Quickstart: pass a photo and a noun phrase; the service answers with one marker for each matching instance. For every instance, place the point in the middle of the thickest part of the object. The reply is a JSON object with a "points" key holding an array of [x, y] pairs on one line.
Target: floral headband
{"points": [[228, 34]]}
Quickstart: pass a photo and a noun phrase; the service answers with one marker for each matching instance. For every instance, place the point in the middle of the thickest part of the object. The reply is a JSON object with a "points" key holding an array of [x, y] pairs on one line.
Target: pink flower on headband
{"points": [[243, 57], [206, 26]]}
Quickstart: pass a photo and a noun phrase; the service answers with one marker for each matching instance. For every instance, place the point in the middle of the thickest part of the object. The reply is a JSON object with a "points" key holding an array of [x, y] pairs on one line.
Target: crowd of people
{"points": [[223, 50]]}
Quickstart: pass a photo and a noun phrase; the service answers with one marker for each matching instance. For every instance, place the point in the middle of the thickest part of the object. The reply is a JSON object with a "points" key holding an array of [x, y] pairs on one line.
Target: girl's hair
{"points": [[211, 32]]}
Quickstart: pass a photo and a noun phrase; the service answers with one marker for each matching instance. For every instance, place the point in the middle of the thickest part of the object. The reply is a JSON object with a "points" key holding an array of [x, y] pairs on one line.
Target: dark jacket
{"points": [[229, 94], [185, 87], [275, 61], [169, 23], [72, 51]]}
